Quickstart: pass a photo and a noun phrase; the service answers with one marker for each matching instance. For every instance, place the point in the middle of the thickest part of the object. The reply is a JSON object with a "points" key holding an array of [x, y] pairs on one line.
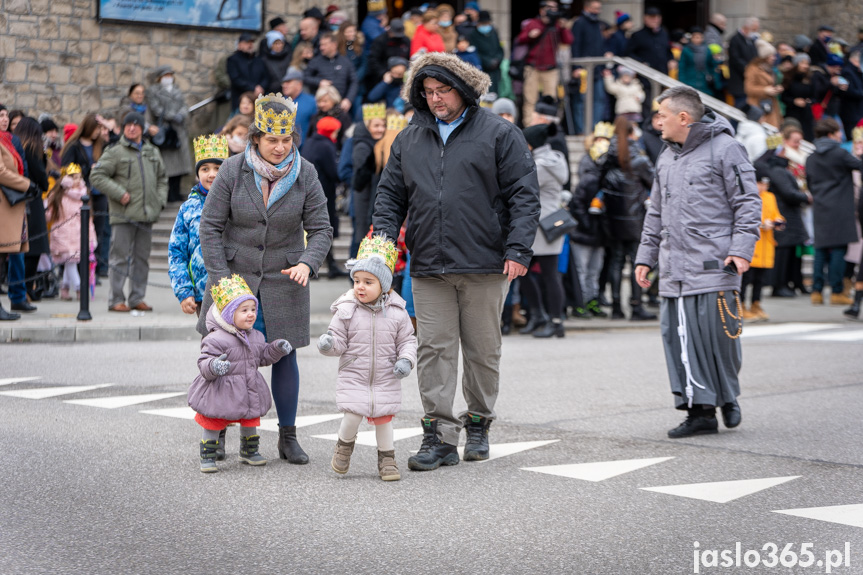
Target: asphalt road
{"points": [[92, 489]]}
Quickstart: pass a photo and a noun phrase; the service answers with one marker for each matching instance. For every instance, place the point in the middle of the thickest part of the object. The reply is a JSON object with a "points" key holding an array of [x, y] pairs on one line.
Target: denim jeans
{"points": [[834, 258], [588, 262], [577, 105], [17, 289]]}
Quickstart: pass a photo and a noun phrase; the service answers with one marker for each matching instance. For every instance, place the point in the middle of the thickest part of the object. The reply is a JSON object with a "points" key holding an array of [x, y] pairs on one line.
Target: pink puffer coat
{"points": [[369, 343], [242, 393], [66, 239]]}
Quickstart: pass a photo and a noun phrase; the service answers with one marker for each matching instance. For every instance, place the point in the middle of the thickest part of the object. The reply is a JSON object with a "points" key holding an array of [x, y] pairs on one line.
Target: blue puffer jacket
{"points": [[187, 271]]}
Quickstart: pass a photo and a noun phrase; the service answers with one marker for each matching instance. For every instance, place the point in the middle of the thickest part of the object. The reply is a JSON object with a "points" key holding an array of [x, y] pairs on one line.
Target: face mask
{"points": [[445, 23], [238, 140], [827, 39], [167, 81], [484, 29], [334, 27]]}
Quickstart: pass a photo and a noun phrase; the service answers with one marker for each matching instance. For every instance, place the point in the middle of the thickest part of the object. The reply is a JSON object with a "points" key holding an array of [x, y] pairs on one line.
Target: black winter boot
{"points": [[220, 449], [853, 312], [617, 311], [249, 450], [8, 316], [433, 452], [538, 318], [506, 320], [289, 448], [208, 456], [554, 328], [641, 314], [476, 429]]}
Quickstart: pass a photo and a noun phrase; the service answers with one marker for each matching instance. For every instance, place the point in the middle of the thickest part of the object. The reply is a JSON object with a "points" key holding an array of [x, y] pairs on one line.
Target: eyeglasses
{"points": [[440, 92]]}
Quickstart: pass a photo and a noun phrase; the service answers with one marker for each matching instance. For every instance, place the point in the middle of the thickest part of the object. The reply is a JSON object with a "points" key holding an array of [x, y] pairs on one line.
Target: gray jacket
{"points": [[704, 207], [552, 173], [240, 235], [168, 108]]}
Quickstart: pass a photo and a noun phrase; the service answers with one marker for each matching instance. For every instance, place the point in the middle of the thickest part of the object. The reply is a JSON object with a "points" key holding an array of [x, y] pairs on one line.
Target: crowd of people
{"points": [[425, 132]]}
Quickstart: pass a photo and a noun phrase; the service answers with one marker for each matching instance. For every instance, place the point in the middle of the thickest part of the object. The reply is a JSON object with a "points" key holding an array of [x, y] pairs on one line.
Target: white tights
{"points": [[351, 424], [71, 278]]}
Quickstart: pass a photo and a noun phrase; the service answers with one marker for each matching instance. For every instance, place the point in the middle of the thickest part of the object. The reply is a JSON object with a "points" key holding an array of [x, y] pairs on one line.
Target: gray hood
{"points": [[824, 145], [710, 126]]}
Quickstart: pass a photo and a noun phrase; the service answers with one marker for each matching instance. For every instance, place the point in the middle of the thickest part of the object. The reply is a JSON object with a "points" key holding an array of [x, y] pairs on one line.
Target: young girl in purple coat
{"points": [[230, 389], [372, 333]]}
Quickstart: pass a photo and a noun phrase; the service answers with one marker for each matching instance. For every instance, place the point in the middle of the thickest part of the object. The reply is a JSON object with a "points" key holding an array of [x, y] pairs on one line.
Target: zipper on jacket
{"points": [[440, 209], [372, 371], [143, 182]]}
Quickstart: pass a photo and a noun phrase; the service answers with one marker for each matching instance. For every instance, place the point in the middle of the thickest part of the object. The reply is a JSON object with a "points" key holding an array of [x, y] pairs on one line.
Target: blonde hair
{"points": [[328, 91]]}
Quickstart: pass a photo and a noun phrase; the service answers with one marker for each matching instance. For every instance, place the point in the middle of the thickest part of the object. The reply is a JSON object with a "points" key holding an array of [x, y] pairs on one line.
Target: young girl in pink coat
{"points": [[372, 334], [62, 203]]}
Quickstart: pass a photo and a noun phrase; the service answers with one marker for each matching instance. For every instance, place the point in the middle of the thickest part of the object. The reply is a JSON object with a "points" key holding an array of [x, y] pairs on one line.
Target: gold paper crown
{"points": [[210, 147], [270, 122], [598, 149], [774, 141], [372, 111], [378, 246], [376, 5], [857, 134], [396, 122], [229, 289], [604, 130], [70, 169]]}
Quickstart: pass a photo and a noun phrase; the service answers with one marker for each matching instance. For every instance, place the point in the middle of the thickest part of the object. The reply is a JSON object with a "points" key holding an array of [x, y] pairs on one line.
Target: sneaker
{"points": [[816, 297], [476, 446], [580, 313], [695, 425], [342, 456], [387, 468], [594, 309], [835, 299], [433, 452]]}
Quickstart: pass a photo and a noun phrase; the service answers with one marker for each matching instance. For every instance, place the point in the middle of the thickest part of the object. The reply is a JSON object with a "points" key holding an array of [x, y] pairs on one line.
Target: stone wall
{"points": [[56, 58]]}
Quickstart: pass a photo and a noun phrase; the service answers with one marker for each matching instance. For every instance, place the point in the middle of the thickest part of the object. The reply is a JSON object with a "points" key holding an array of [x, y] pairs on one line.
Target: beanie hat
{"points": [[272, 36], [621, 17], [134, 118], [547, 106], [765, 48], [377, 256], [48, 124], [834, 60], [327, 126], [68, 130], [376, 267], [538, 135], [800, 58], [277, 21], [504, 106]]}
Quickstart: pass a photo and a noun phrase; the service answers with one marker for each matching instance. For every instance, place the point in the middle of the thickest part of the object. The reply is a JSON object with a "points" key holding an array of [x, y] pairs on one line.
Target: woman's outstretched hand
{"points": [[299, 273]]}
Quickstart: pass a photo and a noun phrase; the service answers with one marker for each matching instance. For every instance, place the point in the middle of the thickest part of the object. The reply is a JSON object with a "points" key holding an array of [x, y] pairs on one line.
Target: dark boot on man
{"points": [[617, 311], [731, 416], [853, 312], [697, 422], [476, 429], [641, 314], [289, 448], [433, 452], [334, 270], [8, 316], [538, 319], [554, 328], [506, 320]]}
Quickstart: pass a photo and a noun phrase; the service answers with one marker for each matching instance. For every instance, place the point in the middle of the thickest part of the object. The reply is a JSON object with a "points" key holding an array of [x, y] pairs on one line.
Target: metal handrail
{"points": [[658, 80], [206, 101]]}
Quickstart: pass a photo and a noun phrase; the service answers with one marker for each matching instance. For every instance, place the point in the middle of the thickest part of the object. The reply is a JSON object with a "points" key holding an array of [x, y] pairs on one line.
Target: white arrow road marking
{"points": [[721, 491], [302, 421], [122, 400], [11, 380], [599, 470], [46, 392], [178, 412], [843, 514]]}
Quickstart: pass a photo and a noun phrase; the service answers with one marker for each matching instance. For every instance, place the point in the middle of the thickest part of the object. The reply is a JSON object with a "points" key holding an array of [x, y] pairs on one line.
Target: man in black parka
{"points": [[468, 182]]}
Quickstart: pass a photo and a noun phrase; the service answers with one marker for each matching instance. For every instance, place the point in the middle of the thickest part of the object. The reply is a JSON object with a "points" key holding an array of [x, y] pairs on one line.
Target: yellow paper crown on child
{"points": [[372, 111], [774, 141], [396, 122], [598, 149], [70, 169], [229, 289], [603, 130], [857, 134], [210, 147], [376, 5], [271, 122], [378, 246]]}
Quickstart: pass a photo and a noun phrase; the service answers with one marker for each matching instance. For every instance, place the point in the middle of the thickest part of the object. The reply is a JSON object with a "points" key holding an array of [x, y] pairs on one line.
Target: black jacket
{"points": [[587, 38], [828, 174], [277, 65], [363, 158], [246, 71], [801, 86], [592, 229], [789, 198], [851, 109], [36, 224], [338, 70], [382, 49], [741, 51], [625, 193], [652, 140], [651, 48], [75, 154], [321, 151]]}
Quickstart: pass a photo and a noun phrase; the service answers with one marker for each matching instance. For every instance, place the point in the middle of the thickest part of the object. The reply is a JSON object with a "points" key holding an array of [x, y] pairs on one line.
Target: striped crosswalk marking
{"points": [[721, 491], [598, 470], [122, 400], [46, 392], [11, 380]]}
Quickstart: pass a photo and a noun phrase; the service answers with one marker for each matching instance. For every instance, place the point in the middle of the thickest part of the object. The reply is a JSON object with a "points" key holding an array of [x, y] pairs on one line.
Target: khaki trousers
{"points": [[129, 258], [548, 80], [453, 309]]}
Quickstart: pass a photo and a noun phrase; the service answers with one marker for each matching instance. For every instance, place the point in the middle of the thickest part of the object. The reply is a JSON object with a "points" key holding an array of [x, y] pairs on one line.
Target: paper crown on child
{"points": [[271, 122], [378, 246], [376, 5], [603, 130], [396, 122], [774, 141], [857, 134], [598, 149], [372, 111], [210, 148], [229, 289], [70, 169]]}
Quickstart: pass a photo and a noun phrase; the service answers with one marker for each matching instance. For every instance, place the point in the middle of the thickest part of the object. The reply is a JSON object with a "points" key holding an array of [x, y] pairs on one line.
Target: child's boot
{"points": [[342, 456], [220, 450], [208, 456], [249, 450], [387, 468]]}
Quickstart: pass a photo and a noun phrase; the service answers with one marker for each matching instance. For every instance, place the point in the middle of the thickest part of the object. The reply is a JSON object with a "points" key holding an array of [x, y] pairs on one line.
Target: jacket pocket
{"points": [[293, 257], [230, 252], [709, 246], [346, 361]]}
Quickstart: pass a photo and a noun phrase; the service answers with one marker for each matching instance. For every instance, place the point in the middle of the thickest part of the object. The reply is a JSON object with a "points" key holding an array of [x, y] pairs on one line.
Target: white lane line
{"points": [[46, 392], [786, 329], [122, 400], [272, 424], [844, 336], [598, 470], [178, 412], [721, 491], [368, 437]]}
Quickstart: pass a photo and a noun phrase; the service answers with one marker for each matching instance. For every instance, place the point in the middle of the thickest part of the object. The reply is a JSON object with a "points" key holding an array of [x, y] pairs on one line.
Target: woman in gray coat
{"points": [[546, 317], [252, 225], [167, 106]]}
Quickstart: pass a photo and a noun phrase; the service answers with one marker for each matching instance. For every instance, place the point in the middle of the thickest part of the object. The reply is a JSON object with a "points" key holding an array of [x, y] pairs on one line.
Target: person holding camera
{"points": [[542, 35], [701, 229]]}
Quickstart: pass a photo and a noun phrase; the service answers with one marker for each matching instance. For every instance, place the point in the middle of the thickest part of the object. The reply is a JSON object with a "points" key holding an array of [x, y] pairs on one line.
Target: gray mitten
{"points": [[285, 346], [402, 368], [326, 342], [220, 365]]}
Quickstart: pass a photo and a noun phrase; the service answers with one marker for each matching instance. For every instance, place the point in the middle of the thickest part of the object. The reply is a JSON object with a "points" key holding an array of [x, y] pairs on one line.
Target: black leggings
{"points": [[754, 276], [548, 278]]}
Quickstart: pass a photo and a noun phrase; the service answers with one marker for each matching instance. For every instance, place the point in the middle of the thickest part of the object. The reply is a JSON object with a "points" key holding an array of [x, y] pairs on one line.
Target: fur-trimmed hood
{"points": [[471, 82]]}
